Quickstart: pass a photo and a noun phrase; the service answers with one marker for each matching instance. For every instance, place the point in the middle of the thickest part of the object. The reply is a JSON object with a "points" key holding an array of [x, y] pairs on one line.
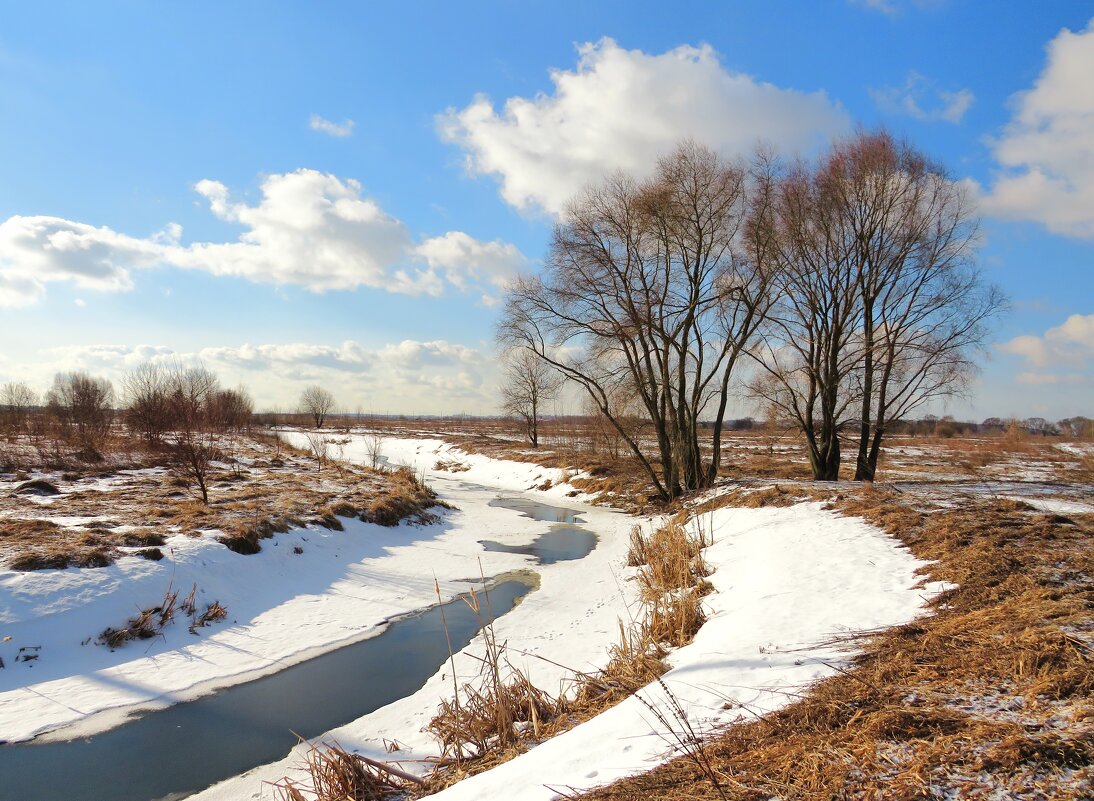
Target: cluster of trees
{"points": [[847, 285], [188, 410], [183, 410], [164, 400]]}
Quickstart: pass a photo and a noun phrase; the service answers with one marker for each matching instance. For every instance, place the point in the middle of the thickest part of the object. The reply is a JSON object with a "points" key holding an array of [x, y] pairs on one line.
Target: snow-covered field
{"points": [[786, 579]]}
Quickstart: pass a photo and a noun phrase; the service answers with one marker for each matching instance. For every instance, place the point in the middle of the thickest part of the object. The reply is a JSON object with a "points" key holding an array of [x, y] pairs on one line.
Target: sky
{"points": [[338, 193]]}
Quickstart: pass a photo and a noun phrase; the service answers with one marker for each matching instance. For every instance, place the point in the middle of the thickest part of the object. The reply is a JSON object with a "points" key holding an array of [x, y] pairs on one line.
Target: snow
{"points": [[786, 580], [1054, 506], [1080, 449], [343, 588]]}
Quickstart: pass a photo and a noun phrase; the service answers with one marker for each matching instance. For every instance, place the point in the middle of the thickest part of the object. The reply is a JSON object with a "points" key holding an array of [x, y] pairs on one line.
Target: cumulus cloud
{"points": [[1047, 150], [465, 261], [1063, 354], [920, 99], [432, 377], [338, 129], [309, 229], [621, 109], [36, 251]]}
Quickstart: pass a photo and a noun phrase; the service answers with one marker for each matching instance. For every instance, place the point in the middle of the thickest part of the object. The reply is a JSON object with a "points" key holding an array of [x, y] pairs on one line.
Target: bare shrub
{"points": [[374, 449], [81, 405], [195, 445], [231, 409], [319, 449], [16, 402], [147, 392]]}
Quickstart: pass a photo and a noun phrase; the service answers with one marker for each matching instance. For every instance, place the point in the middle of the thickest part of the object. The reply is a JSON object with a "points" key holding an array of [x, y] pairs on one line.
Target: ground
{"points": [[927, 636]]}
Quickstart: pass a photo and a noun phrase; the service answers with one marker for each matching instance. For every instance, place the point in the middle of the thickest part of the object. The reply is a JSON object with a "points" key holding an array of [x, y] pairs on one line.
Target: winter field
{"points": [[797, 580]]}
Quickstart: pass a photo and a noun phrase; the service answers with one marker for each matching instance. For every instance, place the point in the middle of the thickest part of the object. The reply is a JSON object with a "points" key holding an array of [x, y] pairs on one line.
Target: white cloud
{"points": [[621, 109], [466, 262], [1063, 354], [36, 251], [1047, 149], [339, 129], [410, 376], [920, 99], [309, 229]]}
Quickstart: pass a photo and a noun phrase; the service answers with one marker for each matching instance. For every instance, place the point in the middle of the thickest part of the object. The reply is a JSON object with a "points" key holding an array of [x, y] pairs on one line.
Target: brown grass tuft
{"points": [[338, 775]]}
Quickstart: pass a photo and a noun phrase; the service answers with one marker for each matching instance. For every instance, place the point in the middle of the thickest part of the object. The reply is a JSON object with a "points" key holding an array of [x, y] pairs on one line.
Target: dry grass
{"points": [[671, 573], [152, 621], [988, 697], [492, 719], [338, 775], [268, 488], [147, 624], [38, 544], [502, 713]]}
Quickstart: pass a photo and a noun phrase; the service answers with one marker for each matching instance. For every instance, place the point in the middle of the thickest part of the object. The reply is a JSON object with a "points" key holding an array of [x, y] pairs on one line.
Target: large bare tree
{"points": [[649, 288], [924, 303], [880, 304], [809, 346], [528, 383]]}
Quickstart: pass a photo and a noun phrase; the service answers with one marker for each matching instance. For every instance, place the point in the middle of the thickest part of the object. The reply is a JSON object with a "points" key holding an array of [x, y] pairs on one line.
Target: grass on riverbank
{"points": [[989, 696], [262, 488]]}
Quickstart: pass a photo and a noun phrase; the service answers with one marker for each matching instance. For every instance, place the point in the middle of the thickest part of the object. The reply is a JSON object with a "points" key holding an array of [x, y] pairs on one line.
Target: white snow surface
{"points": [[282, 607], [786, 580]]}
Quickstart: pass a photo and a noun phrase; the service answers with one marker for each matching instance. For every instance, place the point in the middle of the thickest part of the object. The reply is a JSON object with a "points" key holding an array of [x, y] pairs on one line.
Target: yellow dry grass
{"points": [[267, 489], [990, 696]]}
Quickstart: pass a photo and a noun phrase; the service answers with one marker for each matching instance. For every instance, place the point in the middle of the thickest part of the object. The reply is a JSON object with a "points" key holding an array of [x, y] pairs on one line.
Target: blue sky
{"points": [[337, 193]]}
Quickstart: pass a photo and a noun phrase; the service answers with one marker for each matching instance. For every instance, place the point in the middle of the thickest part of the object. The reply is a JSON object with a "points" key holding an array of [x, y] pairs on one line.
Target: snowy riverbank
{"points": [[785, 579], [283, 607]]}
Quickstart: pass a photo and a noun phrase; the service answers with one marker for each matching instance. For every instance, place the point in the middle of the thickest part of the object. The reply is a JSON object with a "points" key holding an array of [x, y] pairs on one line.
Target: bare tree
{"points": [[82, 405], [880, 305], [924, 304], [528, 383], [809, 347], [195, 445], [650, 287], [317, 403], [232, 409], [16, 401], [148, 409]]}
